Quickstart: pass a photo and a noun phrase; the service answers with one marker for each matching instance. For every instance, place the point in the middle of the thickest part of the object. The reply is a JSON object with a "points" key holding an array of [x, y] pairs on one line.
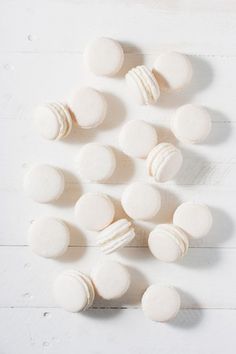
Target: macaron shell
{"points": [[191, 124], [46, 122], [194, 218], [44, 183], [104, 56], [49, 237], [137, 138], [161, 303], [88, 106]]}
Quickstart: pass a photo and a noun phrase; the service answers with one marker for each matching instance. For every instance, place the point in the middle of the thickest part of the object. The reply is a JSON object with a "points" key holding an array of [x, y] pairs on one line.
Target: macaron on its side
{"points": [[104, 56], [49, 237], [161, 302]]}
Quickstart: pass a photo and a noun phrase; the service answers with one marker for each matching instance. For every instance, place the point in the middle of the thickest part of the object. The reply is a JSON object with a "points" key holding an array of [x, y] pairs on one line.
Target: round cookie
{"points": [[49, 237], [161, 302], [44, 183], [111, 279], [168, 242], [137, 138], [172, 70], [96, 162], [194, 218], [88, 106], [191, 124], [94, 211], [141, 201], [104, 56]]}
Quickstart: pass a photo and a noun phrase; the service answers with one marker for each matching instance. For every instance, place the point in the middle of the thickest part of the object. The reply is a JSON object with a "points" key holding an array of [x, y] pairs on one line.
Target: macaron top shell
{"points": [[96, 162], [194, 218], [191, 124], [137, 138], [111, 279], [49, 237], [94, 211], [161, 302], [141, 201], [88, 106], [172, 70], [104, 56], [44, 183]]}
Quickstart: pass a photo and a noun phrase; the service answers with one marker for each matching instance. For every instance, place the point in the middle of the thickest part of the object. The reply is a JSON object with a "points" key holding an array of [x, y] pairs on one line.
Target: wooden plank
{"points": [[204, 277], [56, 332]]}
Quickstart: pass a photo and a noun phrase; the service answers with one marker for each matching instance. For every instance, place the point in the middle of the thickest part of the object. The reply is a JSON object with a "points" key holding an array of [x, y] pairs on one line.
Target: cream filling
{"points": [[178, 236], [118, 242]]}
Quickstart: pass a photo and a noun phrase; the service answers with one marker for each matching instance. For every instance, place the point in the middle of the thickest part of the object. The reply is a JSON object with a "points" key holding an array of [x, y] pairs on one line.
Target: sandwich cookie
{"points": [[88, 106], [104, 56], [44, 183], [161, 302], [164, 162], [193, 218], [168, 242], [191, 124], [94, 211], [141, 201], [143, 85], [96, 162], [172, 70], [73, 291], [49, 237], [137, 138], [116, 236], [111, 280], [53, 120]]}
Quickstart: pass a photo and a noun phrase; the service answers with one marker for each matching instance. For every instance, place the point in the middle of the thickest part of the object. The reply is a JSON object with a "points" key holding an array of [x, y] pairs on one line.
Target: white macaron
{"points": [[104, 56], [191, 124], [161, 302], [53, 120], [49, 237], [194, 218], [116, 236], [141, 201], [73, 291], [137, 138], [44, 183], [143, 85], [172, 70], [168, 242], [111, 279], [96, 162], [94, 211], [164, 162], [88, 106]]}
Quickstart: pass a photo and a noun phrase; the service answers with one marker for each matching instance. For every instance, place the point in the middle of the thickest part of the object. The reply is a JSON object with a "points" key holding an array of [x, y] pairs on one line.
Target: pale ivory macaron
{"points": [[96, 162], [141, 201], [172, 70], [94, 211], [137, 138], [111, 279], [164, 162], [89, 107], [161, 302], [194, 218], [104, 56], [116, 236], [53, 121], [73, 291], [44, 183], [168, 242], [49, 237], [143, 85], [191, 124]]}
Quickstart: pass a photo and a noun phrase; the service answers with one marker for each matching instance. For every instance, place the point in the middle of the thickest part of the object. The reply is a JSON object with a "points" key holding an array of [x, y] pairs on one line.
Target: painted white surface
{"points": [[41, 45]]}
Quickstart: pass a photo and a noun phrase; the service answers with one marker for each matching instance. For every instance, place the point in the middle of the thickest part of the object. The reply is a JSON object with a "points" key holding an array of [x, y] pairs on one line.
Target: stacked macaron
{"points": [[96, 162]]}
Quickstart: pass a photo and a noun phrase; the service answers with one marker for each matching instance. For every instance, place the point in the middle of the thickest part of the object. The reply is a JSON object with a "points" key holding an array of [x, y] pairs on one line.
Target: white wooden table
{"points": [[41, 46]]}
